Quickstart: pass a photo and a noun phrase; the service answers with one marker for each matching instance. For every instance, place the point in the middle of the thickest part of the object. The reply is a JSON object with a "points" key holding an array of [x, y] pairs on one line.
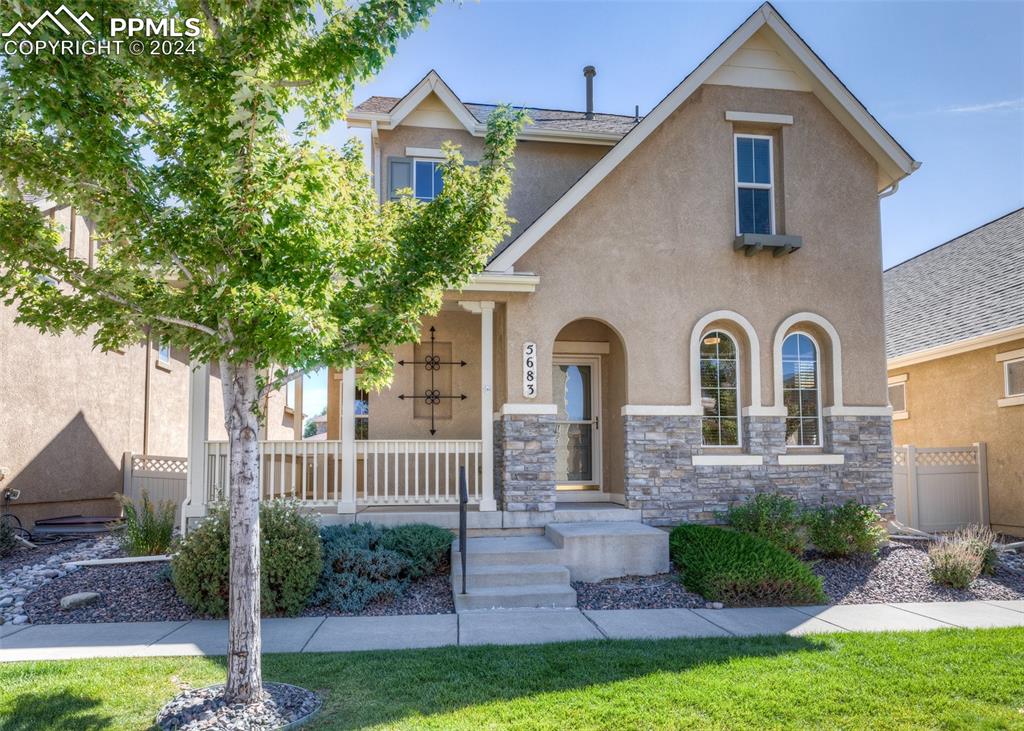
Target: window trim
{"points": [[739, 390], [900, 380], [161, 361], [817, 388], [1010, 399], [770, 187]]}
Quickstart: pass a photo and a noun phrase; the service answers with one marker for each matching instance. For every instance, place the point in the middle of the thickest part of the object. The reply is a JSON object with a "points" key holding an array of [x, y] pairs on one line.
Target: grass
{"points": [[944, 679]]}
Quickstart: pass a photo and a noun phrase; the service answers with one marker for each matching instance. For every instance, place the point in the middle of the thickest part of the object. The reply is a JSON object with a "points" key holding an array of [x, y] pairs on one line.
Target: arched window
{"points": [[719, 390], [801, 390]]}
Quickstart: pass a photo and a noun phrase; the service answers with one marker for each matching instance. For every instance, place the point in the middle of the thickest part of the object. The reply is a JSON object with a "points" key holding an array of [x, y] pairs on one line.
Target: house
{"points": [[955, 348], [68, 412], [688, 312]]}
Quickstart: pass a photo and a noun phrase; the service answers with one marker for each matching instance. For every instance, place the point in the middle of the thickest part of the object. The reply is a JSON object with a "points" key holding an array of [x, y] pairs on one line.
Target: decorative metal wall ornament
{"points": [[432, 396]]}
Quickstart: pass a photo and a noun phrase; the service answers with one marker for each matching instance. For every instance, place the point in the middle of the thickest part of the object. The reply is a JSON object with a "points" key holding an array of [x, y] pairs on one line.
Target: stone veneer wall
{"points": [[662, 481], [524, 462]]}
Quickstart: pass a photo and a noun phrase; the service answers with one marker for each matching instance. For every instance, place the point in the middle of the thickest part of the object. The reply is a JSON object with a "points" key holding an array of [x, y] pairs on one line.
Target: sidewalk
{"points": [[501, 627]]}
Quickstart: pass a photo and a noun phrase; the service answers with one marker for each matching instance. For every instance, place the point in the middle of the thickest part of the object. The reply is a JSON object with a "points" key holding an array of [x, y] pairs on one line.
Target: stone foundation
{"points": [[662, 481], [524, 462]]}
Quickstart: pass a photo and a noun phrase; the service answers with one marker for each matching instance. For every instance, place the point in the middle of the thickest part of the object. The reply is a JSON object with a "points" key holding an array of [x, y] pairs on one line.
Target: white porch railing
{"points": [[387, 471]]}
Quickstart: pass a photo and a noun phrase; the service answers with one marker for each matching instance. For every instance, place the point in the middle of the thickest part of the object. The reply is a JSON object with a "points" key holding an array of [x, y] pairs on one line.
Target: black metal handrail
{"points": [[463, 502]]}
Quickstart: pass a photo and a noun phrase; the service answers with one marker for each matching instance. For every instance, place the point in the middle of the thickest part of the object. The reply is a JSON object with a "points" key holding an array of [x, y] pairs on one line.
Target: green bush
{"points": [[775, 518], [7, 542], [426, 546], [845, 530], [358, 569], [148, 529], [289, 561], [961, 558], [741, 569]]}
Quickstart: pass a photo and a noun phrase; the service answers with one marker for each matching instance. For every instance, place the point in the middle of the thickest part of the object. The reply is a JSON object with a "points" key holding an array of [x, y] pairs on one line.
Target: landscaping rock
{"points": [[19, 619], [661, 591], [205, 708], [82, 598]]}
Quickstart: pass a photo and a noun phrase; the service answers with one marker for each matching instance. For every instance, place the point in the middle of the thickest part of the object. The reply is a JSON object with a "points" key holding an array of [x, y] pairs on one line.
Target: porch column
{"points": [[348, 442], [487, 405], [198, 428]]}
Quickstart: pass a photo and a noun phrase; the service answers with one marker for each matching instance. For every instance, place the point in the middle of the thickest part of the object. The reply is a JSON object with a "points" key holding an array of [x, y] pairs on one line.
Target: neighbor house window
{"points": [[1013, 377], [362, 414], [754, 177], [719, 390], [427, 183], [801, 391], [163, 354]]}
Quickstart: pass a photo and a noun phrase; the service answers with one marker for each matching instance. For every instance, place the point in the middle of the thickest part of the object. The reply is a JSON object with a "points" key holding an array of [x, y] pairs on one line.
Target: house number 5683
{"points": [[529, 370]]}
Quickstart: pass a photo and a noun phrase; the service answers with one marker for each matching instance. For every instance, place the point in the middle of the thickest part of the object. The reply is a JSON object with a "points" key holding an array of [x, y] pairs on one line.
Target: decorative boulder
{"points": [[74, 601]]}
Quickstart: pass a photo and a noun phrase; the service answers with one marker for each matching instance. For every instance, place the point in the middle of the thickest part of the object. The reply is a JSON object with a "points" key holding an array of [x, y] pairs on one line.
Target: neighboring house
{"points": [[955, 349], [688, 310], [68, 412]]}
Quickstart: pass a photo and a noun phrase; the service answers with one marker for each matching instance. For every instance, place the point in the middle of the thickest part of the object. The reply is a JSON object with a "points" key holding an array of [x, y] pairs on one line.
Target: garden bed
{"points": [[661, 591]]}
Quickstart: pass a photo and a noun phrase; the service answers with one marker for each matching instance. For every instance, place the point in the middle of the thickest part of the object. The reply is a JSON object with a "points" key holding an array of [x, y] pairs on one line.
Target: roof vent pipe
{"points": [[590, 72]]}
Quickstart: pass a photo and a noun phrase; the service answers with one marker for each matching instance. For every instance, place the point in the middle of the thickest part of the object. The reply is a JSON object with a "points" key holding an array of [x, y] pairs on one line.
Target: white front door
{"points": [[576, 388]]}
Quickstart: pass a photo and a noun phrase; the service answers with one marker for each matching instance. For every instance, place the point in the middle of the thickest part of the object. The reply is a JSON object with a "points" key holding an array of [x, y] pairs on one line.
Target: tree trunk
{"points": [[245, 674]]}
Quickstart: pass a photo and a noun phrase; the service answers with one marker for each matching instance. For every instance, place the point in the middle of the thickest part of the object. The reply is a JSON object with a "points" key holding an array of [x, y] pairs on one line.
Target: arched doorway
{"points": [[589, 389]]}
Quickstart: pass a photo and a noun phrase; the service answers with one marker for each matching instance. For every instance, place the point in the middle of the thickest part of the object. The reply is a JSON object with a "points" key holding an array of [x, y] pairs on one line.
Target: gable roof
{"points": [[968, 287], [553, 119], [548, 124], [894, 163]]}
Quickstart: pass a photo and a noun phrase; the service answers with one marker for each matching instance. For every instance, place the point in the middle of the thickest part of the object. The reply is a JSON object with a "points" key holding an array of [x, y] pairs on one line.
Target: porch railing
{"points": [[387, 471]]}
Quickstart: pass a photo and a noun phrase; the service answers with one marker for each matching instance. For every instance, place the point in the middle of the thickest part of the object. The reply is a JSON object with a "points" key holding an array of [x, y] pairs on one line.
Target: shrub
{"points": [[741, 569], [848, 529], [289, 560], [775, 518], [426, 546], [358, 569], [958, 560], [148, 529], [7, 542]]}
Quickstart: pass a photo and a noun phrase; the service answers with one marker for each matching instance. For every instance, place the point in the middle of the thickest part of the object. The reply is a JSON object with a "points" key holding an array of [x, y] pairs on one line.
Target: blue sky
{"points": [[946, 79]]}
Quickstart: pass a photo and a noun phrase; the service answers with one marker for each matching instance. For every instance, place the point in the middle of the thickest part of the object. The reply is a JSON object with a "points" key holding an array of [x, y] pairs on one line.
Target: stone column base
{"points": [[524, 462]]}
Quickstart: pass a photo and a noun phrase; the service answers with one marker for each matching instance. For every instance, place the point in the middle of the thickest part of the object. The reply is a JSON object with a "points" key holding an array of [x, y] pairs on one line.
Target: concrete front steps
{"points": [[512, 572]]}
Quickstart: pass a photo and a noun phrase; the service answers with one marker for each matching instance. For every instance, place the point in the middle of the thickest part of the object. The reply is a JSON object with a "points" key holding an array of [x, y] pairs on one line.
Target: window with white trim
{"points": [[1013, 377], [719, 390], [801, 390], [426, 179], [362, 414], [754, 179], [163, 354], [898, 397]]}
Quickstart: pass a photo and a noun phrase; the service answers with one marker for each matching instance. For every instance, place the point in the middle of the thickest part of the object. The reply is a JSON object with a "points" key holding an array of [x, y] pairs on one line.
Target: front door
{"points": [[576, 385]]}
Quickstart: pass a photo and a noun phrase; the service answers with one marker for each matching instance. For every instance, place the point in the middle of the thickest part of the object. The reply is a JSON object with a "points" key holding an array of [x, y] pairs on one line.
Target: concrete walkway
{"points": [[486, 627]]}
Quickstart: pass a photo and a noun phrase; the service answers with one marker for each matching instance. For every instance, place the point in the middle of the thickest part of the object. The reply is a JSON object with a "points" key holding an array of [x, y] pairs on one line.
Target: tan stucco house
{"points": [[69, 412], [688, 311], [955, 348]]}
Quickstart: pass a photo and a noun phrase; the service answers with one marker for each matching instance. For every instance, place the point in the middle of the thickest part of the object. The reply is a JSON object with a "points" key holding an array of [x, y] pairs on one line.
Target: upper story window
{"points": [[719, 390], [1013, 377], [801, 390], [754, 179], [163, 354], [427, 183]]}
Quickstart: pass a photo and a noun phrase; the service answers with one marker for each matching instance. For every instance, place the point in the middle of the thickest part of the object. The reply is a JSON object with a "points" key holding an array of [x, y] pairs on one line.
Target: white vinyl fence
{"points": [[940, 488], [163, 478]]}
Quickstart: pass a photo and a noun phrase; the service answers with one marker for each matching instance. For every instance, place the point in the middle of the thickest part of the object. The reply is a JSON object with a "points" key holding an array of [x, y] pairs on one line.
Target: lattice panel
{"points": [[951, 458], [172, 465], [899, 457]]}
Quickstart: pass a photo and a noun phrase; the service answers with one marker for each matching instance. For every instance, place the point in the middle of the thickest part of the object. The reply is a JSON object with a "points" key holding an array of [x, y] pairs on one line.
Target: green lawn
{"points": [[945, 679]]}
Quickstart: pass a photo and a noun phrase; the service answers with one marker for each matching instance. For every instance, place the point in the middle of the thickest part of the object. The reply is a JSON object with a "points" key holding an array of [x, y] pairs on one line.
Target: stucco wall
{"points": [[649, 251], [544, 170], [952, 402]]}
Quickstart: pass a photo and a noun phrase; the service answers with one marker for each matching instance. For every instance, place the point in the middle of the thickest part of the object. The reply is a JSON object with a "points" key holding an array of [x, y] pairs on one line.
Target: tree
{"points": [[249, 244]]}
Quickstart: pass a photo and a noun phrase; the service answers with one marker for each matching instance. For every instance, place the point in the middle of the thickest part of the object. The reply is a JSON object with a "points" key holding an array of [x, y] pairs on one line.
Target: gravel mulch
{"points": [[900, 574], [131, 592], [205, 709], [661, 591], [28, 556]]}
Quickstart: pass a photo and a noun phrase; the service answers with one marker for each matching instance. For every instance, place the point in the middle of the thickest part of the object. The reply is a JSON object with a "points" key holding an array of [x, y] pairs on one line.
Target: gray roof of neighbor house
{"points": [[554, 119], [970, 286]]}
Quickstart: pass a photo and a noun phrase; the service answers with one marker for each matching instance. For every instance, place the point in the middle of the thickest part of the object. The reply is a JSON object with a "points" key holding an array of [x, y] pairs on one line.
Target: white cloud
{"points": [[1008, 104]]}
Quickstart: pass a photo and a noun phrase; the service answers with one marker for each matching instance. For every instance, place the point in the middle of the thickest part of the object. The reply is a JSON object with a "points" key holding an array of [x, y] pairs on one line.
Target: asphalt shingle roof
{"points": [[970, 286], [554, 119]]}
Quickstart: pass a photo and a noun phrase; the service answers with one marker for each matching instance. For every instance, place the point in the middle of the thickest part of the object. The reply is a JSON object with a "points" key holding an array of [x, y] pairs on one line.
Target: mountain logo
{"points": [[70, 20]]}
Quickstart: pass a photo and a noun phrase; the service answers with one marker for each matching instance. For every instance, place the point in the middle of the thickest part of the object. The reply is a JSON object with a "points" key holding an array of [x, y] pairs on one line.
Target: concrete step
{"points": [[516, 550], [479, 576], [594, 551], [508, 597]]}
